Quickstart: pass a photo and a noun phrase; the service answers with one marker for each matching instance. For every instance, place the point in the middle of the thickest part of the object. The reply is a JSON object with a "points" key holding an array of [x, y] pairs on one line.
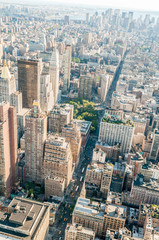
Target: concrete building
{"points": [[144, 192], [90, 215], [54, 186], [29, 81], [54, 73], [106, 81], [60, 116], [72, 134], [35, 136], [77, 232], [58, 159], [113, 131], [85, 127], [25, 219], [67, 68], [8, 148], [114, 218], [99, 156], [85, 87], [46, 93]]}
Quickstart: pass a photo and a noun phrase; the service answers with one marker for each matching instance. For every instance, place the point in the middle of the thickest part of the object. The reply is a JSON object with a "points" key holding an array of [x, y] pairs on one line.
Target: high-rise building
{"points": [[113, 131], [29, 81], [57, 159], [46, 93], [85, 87], [67, 68], [60, 116], [7, 84], [8, 148], [72, 134], [106, 80], [77, 232], [54, 73], [35, 136], [155, 145]]}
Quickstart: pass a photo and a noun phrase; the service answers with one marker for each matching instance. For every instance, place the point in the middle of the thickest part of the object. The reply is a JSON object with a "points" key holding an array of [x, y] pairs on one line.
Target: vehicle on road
{"points": [[82, 170], [77, 188], [81, 179]]}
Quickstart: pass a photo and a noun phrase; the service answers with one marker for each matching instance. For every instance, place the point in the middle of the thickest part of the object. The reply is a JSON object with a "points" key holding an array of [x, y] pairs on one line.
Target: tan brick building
{"points": [[25, 219], [35, 136], [77, 232], [60, 116], [57, 159], [54, 186], [73, 135]]}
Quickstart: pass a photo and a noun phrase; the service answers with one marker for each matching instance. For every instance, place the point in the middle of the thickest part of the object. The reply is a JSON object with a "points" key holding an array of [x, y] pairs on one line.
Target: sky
{"points": [[146, 5]]}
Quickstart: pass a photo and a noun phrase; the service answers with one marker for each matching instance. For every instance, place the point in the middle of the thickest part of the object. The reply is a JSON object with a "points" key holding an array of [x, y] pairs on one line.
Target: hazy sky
{"points": [[148, 5]]}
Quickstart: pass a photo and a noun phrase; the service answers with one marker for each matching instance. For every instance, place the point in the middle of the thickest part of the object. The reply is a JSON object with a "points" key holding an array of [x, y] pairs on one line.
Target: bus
{"points": [[82, 170], [77, 188], [81, 179]]}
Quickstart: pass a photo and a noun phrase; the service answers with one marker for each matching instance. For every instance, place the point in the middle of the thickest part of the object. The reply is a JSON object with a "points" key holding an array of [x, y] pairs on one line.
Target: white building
{"points": [[54, 73], [113, 131]]}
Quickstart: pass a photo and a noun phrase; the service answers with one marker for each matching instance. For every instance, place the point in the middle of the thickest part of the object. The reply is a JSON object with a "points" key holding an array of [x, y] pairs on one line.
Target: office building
{"points": [[77, 232], [72, 134], [155, 145], [35, 136], [85, 87], [106, 81], [8, 148], [29, 81], [113, 131], [25, 219], [54, 73], [46, 93], [7, 84], [57, 159], [67, 68], [60, 116]]}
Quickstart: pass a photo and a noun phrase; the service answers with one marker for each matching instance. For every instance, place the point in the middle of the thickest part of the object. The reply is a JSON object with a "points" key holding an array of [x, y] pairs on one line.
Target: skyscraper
{"points": [[7, 84], [8, 148], [67, 68], [29, 81], [54, 73], [35, 136], [85, 87]]}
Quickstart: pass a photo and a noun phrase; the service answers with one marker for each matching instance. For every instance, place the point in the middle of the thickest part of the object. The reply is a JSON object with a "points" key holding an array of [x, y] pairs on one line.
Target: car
{"points": [[59, 232]]}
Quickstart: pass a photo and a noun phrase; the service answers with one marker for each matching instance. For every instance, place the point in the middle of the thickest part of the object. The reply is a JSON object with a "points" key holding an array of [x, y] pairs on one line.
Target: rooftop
{"points": [[113, 119]]}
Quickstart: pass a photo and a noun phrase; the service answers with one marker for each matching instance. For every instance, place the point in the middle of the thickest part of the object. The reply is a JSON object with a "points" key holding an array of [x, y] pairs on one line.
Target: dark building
{"points": [[29, 81]]}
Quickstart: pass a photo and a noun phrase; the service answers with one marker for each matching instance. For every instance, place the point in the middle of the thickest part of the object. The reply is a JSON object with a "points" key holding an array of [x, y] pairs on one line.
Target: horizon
{"points": [[88, 4]]}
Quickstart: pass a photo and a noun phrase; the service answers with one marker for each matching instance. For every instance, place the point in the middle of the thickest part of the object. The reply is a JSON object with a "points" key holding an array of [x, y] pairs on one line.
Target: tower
{"points": [[67, 68], [35, 136], [54, 73], [29, 81], [8, 148]]}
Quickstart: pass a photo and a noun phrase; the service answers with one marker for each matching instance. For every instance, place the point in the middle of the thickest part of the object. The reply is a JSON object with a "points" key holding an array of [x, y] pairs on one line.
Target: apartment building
{"points": [[57, 160], [77, 232]]}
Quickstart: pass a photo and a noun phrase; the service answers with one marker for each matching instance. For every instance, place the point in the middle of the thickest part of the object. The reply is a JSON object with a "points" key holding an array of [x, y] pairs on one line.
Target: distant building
{"points": [[54, 73], [35, 136], [85, 87], [8, 148], [77, 232], [155, 145], [25, 219], [29, 81], [67, 68]]}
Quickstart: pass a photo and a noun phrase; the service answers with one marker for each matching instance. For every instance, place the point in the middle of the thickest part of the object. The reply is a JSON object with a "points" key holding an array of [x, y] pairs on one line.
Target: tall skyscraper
{"points": [[67, 67], [8, 148], [35, 136], [54, 73], [29, 81], [155, 145], [7, 84]]}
